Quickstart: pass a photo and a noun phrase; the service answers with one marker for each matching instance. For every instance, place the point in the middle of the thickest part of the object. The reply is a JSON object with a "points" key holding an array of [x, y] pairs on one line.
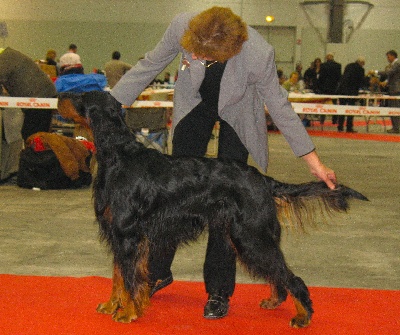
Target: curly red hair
{"points": [[216, 33]]}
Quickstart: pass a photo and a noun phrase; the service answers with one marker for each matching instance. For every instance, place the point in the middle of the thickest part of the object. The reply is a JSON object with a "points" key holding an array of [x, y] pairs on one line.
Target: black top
{"points": [[209, 89]]}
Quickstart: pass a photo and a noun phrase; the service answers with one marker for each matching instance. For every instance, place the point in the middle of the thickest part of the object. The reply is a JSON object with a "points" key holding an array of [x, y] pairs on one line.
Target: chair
{"points": [[149, 124], [50, 70]]}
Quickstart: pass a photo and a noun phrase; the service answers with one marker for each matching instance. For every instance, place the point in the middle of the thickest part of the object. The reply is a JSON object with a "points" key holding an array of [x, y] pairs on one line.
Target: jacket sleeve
{"points": [[279, 107]]}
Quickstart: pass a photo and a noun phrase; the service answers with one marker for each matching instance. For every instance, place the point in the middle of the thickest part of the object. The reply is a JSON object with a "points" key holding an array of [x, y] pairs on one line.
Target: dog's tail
{"points": [[298, 203]]}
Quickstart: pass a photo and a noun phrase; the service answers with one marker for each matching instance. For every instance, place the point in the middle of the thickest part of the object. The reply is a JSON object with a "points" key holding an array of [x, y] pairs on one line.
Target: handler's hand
{"points": [[325, 174], [320, 171]]}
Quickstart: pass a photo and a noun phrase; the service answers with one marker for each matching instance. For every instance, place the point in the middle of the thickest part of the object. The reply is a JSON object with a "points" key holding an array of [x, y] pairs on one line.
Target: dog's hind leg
{"points": [[299, 293], [301, 297], [264, 259], [278, 295]]}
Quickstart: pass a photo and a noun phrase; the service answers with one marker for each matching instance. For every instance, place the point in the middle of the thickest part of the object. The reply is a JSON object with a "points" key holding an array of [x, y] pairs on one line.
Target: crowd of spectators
{"points": [[327, 78], [320, 77]]}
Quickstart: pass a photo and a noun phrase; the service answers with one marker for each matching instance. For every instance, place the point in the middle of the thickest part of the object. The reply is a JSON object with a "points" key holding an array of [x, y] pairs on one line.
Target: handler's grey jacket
{"points": [[249, 81]]}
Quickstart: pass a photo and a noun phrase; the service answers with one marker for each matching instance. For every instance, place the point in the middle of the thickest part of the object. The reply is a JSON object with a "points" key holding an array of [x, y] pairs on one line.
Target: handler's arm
{"points": [[288, 121], [139, 77]]}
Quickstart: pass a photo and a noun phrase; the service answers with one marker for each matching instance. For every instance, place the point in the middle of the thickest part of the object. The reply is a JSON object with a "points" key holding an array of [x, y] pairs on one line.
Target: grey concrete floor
{"points": [[53, 233]]}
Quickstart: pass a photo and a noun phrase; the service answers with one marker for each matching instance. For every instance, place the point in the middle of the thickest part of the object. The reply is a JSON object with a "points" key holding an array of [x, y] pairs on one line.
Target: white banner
{"points": [[147, 103], [51, 103], [326, 109], [14, 102], [299, 107]]}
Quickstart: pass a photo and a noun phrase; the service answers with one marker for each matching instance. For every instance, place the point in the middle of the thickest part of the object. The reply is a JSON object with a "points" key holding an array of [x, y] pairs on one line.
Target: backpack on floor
{"points": [[43, 170]]}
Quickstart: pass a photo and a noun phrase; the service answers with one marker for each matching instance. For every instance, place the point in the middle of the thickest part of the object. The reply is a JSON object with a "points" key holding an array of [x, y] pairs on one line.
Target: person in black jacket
{"points": [[352, 80], [311, 76], [329, 78], [330, 75]]}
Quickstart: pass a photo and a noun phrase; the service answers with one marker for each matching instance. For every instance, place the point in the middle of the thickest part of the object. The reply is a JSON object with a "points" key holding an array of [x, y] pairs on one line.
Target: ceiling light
{"points": [[269, 18]]}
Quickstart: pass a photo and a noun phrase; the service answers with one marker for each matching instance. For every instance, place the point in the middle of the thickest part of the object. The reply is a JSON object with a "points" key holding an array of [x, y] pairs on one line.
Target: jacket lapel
{"points": [[228, 83], [197, 73], [197, 70]]}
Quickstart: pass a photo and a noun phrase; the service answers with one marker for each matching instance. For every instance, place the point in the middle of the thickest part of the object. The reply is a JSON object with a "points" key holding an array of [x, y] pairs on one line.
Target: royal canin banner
{"points": [[299, 107], [312, 108]]}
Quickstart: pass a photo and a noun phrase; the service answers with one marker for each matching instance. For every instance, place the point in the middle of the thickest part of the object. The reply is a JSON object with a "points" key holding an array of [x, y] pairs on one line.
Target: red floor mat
{"points": [[60, 305]]}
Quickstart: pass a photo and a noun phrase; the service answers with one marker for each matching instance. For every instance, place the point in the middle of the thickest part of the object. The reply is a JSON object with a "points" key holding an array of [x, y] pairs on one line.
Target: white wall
{"points": [[99, 27]]}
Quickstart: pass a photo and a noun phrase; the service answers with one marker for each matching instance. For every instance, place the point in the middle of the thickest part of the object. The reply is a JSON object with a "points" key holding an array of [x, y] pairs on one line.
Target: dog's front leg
{"points": [[127, 311], [136, 294], [120, 304], [112, 305]]}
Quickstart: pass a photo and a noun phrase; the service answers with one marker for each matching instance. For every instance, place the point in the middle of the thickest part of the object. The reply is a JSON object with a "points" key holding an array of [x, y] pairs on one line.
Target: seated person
{"points": [[292, 84], [281, 76], [70, 62]]}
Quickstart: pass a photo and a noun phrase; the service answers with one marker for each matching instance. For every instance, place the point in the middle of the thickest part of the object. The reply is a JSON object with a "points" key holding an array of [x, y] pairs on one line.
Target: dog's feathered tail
{"points": [[298, 203]]}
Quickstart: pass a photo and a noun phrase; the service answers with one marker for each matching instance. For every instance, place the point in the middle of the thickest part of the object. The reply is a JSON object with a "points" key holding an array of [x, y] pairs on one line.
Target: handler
{"points": [[227, 73]]}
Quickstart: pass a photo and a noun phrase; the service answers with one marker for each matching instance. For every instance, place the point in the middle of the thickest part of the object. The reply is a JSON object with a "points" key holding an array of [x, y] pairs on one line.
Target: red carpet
{"points": [[60, 305], [356, 136], [331, 131]]}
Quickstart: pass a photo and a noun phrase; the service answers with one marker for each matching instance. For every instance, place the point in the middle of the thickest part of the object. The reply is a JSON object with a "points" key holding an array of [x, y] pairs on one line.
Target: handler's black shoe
{"points": [[160, 284], [216, 307]]}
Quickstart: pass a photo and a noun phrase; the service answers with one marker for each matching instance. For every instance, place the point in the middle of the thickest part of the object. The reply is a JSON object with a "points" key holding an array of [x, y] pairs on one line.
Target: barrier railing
{"points": [[299, 107]]}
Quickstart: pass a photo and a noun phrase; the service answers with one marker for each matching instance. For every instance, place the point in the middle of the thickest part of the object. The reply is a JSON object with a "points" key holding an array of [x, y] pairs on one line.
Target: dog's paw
{"points": [[300, 321], [108, 307], [270, 303], [125, 315]]}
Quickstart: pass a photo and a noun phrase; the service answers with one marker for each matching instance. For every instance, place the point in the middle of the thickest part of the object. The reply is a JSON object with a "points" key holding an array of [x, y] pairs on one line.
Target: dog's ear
{"points": [[70, 107]]}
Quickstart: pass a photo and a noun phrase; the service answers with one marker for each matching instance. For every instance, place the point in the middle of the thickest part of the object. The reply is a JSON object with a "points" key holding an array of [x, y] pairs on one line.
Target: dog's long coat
{"points": [[147, 202]]}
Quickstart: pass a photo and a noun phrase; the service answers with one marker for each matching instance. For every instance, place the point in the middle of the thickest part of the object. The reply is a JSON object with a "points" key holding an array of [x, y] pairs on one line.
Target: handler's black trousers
{"points": [[191, 137]]}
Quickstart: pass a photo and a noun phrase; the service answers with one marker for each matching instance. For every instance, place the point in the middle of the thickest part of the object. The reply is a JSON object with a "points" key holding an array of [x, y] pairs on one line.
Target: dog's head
{"points": [[70, 106], [76, 106]]}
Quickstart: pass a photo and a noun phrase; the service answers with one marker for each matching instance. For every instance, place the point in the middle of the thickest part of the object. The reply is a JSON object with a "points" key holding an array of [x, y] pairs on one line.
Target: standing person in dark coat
{"points": [[115, 69], [329, 78], [352, 80], [392, 82], [22, 77]]}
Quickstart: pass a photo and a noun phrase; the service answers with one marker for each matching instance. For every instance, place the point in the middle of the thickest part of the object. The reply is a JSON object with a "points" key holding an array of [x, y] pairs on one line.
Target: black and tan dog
{"points": [[146, 202]]}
